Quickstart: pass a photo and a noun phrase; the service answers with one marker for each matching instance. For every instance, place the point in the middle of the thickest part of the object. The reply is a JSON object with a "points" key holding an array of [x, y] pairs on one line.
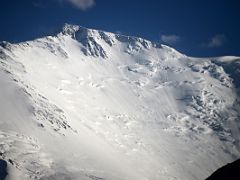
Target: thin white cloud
{"points": [[216, 41], [81, 4], [170, 39]]}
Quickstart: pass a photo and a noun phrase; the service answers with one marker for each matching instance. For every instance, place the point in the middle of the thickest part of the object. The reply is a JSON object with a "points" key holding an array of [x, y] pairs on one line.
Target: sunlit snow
{"points": [[93, 105]]}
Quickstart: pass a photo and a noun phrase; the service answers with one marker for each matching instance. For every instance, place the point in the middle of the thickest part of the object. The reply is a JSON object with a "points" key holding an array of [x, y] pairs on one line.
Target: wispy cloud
{"points": [[216, 41], [170, 39], [81, 4], [40, 3], [119, 32]]}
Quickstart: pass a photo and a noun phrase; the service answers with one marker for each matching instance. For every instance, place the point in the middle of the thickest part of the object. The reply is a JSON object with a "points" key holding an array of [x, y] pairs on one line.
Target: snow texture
{"points": [[93, 105]]}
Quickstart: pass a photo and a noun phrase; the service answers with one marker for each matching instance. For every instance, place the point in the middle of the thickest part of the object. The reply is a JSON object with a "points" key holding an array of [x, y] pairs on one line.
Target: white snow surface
{"points": [[93, 105]]}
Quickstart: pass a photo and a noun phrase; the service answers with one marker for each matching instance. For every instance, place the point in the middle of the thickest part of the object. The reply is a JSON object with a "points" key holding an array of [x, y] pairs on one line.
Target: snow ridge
{"points": [[89, 104]]}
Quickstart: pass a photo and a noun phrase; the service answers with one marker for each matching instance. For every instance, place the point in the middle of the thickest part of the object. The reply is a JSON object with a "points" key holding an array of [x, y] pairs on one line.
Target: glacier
{"points": [[93, 105]]}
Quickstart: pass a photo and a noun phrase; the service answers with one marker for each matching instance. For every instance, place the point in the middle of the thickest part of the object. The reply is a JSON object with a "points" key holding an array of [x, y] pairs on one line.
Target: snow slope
{"points": [[89, 104]]}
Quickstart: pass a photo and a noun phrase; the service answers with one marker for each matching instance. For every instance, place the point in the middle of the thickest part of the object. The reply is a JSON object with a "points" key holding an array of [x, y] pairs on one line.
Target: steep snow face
{"points": [[88, 104]]}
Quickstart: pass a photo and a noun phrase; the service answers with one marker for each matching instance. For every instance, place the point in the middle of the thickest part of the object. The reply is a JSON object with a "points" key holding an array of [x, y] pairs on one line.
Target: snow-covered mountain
{"points": [[93, 105]]}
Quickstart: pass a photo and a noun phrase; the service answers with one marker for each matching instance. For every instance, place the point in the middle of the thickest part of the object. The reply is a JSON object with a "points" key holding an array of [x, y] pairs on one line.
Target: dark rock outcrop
{"points": [[3, 169], [230, 171]]}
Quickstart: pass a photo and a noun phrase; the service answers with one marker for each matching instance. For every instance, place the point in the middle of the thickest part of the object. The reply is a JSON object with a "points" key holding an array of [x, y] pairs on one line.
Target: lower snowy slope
{"points": [[92, 105]]}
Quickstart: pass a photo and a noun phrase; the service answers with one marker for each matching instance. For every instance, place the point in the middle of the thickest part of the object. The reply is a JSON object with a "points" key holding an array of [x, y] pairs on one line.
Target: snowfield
{"points": [[93, 105]]}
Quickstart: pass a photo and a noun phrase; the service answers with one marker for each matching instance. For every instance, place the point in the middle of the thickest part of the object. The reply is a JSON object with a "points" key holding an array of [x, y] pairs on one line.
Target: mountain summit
{"points": [[93, 105]]}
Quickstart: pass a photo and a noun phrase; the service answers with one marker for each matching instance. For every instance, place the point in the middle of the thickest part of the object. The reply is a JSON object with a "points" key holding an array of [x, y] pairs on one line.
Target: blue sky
{"points": [[194, 27]]}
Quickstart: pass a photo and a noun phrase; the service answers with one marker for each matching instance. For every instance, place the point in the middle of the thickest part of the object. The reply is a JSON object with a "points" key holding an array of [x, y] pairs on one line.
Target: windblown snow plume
{"points": [[92, 105]]}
